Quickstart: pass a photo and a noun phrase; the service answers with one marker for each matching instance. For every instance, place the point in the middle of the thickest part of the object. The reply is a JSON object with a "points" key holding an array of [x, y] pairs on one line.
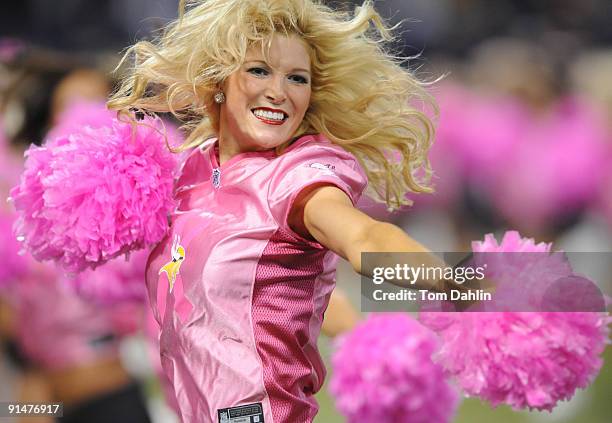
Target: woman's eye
{"points": [[258, 71], [299, 79]]}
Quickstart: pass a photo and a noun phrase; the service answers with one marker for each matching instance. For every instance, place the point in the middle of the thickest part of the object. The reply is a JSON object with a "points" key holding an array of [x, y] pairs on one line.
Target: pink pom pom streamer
{"points": [[523, 359], [383, 372], [91, 196], [519, 259]]}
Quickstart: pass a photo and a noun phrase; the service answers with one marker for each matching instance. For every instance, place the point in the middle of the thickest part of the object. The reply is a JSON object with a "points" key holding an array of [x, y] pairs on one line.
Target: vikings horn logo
{"points": [[172, 268]]}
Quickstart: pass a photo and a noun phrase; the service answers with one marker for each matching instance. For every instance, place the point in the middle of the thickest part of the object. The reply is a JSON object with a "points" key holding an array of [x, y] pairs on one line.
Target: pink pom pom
{"points": [[91, 196], [524, 359], [116, 282], [383, 372], [512, 242], [523, 275]]}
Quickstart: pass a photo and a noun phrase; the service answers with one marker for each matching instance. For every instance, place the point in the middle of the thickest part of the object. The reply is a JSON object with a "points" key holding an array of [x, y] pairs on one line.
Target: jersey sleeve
{"points": [[191, 164], [310, 164]]}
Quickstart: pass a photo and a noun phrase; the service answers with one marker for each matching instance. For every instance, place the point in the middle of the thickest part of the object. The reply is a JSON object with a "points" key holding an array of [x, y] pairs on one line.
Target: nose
{"points": [[275, 90]]}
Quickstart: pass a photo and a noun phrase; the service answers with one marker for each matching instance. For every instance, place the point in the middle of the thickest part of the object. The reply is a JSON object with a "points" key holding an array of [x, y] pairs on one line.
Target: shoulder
{"points": [[315, 155], [312, 146], [309, 161], [194, 163]]}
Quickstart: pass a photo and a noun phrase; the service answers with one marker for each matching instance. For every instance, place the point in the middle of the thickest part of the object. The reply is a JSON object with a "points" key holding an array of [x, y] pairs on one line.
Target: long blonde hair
{"points": [[362, 98]]}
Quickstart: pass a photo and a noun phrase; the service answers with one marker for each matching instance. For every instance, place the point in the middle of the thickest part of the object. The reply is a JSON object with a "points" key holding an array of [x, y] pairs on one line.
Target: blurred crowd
{"points": [[524, 136]]}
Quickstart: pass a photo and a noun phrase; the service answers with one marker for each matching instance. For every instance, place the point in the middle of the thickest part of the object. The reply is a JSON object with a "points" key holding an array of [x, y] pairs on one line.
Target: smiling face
{"points": [[266, 98]]}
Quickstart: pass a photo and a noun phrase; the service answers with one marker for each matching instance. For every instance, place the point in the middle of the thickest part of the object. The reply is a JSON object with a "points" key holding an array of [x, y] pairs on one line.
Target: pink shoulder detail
{"points": [[312, 160], [190, 168]]}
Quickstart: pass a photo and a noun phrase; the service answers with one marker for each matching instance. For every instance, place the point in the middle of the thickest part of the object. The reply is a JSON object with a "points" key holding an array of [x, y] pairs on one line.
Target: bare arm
{"points": [[340, 315], [327, 214]]}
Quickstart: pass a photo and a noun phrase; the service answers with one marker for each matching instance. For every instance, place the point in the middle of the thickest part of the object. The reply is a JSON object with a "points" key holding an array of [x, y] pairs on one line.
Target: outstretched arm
{"points": [[326, 213]]}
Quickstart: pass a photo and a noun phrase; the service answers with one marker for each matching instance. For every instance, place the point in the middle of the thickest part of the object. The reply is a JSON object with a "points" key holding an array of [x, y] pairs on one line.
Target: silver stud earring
{"points": [[219, 97]]}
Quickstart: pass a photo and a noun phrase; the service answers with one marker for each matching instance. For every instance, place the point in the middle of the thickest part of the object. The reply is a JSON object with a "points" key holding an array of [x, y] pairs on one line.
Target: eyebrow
{"points": [[265, 63]]}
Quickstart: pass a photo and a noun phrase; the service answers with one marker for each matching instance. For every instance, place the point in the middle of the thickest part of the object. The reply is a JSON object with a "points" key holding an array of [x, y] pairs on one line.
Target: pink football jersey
{"points": [[239, 296]]}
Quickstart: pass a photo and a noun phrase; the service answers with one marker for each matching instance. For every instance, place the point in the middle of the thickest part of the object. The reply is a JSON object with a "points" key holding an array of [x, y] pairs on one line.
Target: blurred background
{"points": [[524, 138]]}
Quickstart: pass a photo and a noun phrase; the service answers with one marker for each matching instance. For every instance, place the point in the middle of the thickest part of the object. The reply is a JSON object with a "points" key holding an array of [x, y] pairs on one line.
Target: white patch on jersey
{"points": [[327, 169]]}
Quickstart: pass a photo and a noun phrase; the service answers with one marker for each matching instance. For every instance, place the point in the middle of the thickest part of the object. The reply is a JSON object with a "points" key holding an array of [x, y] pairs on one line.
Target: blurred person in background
{"points": [[69, 348]]}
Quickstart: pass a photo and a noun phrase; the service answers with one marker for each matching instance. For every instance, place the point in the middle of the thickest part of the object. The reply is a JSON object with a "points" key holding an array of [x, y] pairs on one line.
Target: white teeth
{"points": [[269, 115]]}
